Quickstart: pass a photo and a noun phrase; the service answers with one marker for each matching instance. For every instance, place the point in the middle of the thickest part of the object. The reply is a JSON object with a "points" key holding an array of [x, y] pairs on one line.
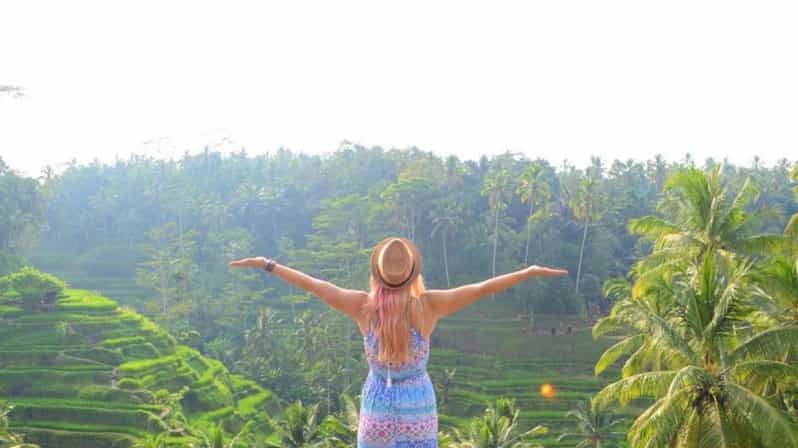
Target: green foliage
{"points": [[298, 360], [342, 430], [716, 378], [35, 288], [595, 427], [5, 285], [9, 439], [22, 203], [297, 427], [498, 428], [169, 270]]}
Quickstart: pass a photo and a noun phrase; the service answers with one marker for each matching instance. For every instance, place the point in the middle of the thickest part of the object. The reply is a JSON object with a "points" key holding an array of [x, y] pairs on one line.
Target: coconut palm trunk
{"points": [[445, 259], [528, 230], [581, 256], [495, 244]]}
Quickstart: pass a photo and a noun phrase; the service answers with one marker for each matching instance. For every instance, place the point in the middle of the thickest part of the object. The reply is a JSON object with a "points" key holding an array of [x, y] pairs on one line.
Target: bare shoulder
{"points": [[428, 299], [362, 317], [432, 299]]}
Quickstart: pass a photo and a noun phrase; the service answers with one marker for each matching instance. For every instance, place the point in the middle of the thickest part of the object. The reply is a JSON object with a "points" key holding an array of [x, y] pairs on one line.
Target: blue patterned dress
{"points": [[400, 412]]}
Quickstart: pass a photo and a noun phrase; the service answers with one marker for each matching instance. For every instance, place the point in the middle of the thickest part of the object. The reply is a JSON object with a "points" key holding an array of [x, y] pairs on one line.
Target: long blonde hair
{"points": [[391, 309]]}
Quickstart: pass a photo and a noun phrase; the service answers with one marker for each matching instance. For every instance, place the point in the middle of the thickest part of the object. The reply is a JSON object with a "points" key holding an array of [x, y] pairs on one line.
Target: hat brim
{"points": [[417, 264]]}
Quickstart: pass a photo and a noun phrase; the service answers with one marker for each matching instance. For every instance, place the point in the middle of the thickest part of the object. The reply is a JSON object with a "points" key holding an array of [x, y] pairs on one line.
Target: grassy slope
{"points": [[61, 380]]}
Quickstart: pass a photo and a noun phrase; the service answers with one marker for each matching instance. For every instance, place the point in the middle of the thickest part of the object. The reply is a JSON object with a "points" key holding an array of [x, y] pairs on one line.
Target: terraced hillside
{"points": [[88, 373], [496, 357]]}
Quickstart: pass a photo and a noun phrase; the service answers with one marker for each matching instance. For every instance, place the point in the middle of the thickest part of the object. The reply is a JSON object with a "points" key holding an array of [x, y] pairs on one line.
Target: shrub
{"points": [[35, 287]]}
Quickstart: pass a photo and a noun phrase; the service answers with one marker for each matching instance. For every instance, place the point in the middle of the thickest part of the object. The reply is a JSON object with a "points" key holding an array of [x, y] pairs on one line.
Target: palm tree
{"points": [[595, 427], [496, 187], [709, 389], [656, 169], [405, 200], [586, 205], [498, 428], [704, 217], [446, 218], [535, 190], [297, 428], [445, 385]]}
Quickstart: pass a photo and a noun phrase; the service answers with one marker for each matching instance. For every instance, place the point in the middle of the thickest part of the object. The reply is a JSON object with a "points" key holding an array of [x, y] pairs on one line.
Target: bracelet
{"points": [[270, 265]]}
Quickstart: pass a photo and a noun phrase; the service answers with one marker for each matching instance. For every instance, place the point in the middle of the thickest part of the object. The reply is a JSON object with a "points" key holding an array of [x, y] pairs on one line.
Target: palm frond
{"points": [[760, 371], [768, 344], [617, 289], [694, 188], [690, 434], [648, 384], [665, 334], [637, 361], [351, 411], [757, 220], [687, 377], [659, 427], [683, 242], [716, 430], [773, 426], [608, 324], [613, 353], [651, 227], [791, 230], [654, 273], [729, 308], [757, 244]]}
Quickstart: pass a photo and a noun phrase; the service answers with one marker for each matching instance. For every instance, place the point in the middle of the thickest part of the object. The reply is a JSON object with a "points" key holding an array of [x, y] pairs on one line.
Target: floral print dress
{"points": [[397, 407]]}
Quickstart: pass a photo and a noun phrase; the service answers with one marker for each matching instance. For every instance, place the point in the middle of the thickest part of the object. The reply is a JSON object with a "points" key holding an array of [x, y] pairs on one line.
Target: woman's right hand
{"points": [[251, 262]]}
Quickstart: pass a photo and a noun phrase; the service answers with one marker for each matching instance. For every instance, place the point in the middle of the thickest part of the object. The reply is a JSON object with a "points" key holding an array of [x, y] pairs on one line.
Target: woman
{"points": [[396, 319]]}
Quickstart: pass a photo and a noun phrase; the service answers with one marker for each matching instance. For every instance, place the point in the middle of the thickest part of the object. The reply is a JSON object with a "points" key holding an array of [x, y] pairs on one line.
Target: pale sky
{"points": [[556, 79]]}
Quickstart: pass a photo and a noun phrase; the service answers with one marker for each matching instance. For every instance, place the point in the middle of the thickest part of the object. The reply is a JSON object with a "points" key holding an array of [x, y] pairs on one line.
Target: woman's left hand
{"points": [[252, 262], [543, 271]]}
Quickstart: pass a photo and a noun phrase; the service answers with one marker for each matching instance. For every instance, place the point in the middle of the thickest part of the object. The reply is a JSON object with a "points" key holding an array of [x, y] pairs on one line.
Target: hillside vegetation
{"points": [[83, 371]]}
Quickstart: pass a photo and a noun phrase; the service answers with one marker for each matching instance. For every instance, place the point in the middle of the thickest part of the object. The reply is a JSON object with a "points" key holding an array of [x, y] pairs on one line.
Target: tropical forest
{"points": [[122, 324]]}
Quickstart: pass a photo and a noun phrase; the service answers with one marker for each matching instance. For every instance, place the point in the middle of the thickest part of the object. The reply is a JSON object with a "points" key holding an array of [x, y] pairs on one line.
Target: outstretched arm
{"points": [[443, 302], [348, 301]]}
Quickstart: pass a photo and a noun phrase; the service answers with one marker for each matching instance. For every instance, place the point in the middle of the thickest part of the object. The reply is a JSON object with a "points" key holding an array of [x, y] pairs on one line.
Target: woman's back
{"points": [[414, 366], [398, 401]]}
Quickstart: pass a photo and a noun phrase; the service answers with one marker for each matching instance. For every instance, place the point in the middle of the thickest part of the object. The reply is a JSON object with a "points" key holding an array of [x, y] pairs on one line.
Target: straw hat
{"points": [[395, 262]]}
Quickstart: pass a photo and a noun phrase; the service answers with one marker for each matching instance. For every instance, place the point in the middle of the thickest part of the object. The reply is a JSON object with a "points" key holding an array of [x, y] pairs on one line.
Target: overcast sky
{"points": [[556, 79]]}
